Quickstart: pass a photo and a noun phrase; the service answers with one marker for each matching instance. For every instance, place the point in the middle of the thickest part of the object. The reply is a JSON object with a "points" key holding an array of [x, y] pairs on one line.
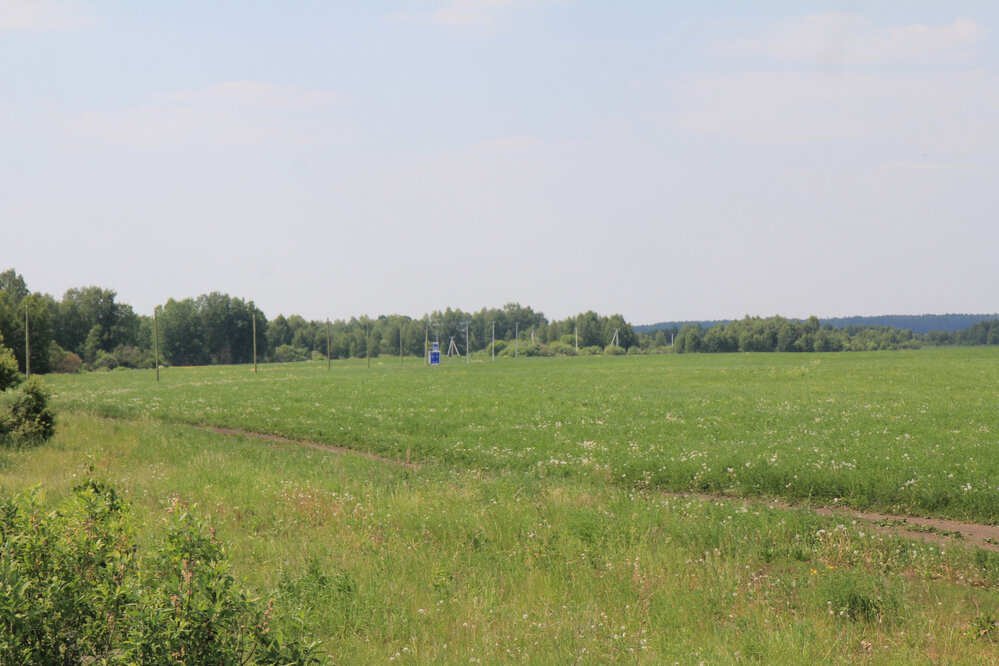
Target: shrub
{"points": [[69, 364], [27, 419], [74, 589], [560, 348], [287, 354]]}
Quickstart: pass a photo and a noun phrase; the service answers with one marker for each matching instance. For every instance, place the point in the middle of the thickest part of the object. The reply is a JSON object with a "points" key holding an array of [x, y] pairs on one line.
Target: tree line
{"points": [[89, 327]]}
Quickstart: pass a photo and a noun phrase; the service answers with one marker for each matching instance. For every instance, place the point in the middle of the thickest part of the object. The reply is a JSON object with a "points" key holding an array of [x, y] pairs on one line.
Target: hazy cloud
{"points": [[251, 94], [41, 15], [950, 112], [471, 16], [237, 112], [849, 39]]}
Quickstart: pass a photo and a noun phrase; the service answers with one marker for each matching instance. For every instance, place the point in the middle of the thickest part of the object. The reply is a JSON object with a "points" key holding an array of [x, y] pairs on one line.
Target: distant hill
{"points": [[919, 324]]}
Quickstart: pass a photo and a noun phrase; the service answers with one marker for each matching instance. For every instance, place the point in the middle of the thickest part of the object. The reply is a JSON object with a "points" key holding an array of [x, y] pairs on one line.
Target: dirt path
{"points": [[325, 447], [935, 530]]}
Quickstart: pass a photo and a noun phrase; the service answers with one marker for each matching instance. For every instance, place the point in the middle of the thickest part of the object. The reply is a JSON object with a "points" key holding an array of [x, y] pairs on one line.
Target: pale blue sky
{"points": [[662, 160]]}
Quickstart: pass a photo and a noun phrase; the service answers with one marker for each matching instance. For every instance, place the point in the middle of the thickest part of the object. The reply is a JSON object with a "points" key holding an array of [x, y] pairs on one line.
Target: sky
{"points": [[666, 161]]}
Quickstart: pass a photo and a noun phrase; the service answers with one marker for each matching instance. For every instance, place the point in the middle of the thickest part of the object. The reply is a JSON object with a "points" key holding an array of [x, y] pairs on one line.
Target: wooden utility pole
{"points": [[400, 344], [27, 342], [329, 363], [254, 343], [576, 332], [492, 348], [516, 337], [426, 346], [367, 344], [466, 344], [156, 340]]}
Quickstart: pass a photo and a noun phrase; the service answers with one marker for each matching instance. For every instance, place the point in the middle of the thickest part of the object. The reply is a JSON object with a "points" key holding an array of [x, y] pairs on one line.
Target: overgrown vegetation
{"points": [[74, 588]]}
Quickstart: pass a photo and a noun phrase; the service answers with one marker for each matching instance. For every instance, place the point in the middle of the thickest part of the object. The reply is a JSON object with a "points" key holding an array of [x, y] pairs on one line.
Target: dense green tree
{"points": [[85, 309]]}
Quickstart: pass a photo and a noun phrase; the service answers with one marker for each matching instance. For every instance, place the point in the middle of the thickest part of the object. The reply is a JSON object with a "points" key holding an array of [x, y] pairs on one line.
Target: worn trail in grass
{"points": [[938, 530]]}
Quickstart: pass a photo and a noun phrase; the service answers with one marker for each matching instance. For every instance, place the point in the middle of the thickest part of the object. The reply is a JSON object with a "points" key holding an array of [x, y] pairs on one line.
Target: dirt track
{"points": [[937, 530]]}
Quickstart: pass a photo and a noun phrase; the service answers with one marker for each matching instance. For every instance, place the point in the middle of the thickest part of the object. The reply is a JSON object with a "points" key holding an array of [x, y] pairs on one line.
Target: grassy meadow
{"points": [[909, 432], [535, 528]]}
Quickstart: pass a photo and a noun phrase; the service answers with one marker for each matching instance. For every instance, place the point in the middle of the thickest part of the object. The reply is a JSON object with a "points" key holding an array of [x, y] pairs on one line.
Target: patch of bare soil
{"points": [[325, 447], [934, 530]]}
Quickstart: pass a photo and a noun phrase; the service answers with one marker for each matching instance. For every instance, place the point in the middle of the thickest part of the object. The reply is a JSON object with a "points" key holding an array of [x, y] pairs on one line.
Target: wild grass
{"points": [[904, 432], [498, 564]]}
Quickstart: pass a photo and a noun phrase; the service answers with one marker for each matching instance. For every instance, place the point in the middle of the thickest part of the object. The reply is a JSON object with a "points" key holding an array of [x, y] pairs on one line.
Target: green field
{"points": [[911, 432], [536, 528]]}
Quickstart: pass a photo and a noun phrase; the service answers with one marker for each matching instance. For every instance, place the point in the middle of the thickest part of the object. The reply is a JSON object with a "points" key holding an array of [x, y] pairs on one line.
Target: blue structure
{"points": [[435, 355]]}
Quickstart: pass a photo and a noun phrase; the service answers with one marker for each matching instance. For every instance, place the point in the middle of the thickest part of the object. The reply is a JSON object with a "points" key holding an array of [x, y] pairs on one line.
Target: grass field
{"points": [[536, 528], [911, 432]]}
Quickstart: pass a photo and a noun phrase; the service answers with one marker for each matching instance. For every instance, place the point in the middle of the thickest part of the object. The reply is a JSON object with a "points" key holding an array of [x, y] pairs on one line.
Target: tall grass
{"points": [[451, 564]]}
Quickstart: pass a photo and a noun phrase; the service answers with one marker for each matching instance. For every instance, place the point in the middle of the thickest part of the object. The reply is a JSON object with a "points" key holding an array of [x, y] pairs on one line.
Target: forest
{"points": [[89, 328]]}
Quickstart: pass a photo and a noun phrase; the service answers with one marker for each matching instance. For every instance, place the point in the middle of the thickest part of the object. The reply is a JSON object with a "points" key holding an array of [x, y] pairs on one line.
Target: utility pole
{"points": [[254, 342], [156, 340], [492, 347], [367, 344], [27, 342], [426, 346], [576, 332], [467, 361], [516, 337], [329, 363]]}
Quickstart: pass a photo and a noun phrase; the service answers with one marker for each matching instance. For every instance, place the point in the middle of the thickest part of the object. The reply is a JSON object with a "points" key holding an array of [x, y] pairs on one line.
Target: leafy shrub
{"points": [[26, 418], [74, 589], [69, 364], [614, 350], [287, 354], [560, 348]]}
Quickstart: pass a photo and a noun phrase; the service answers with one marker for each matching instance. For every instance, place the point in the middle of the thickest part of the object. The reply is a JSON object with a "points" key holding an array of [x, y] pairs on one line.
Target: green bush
{"points": [[26, 418], [74, 589], [288, 354], [560, 348], [69, 364]]}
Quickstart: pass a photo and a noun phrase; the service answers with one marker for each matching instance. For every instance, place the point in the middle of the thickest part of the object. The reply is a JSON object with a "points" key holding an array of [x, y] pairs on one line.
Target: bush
{"points": [[561, 348], [74, 589], [614, 350], [68, 364], [287, 354], [26, 418]]}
